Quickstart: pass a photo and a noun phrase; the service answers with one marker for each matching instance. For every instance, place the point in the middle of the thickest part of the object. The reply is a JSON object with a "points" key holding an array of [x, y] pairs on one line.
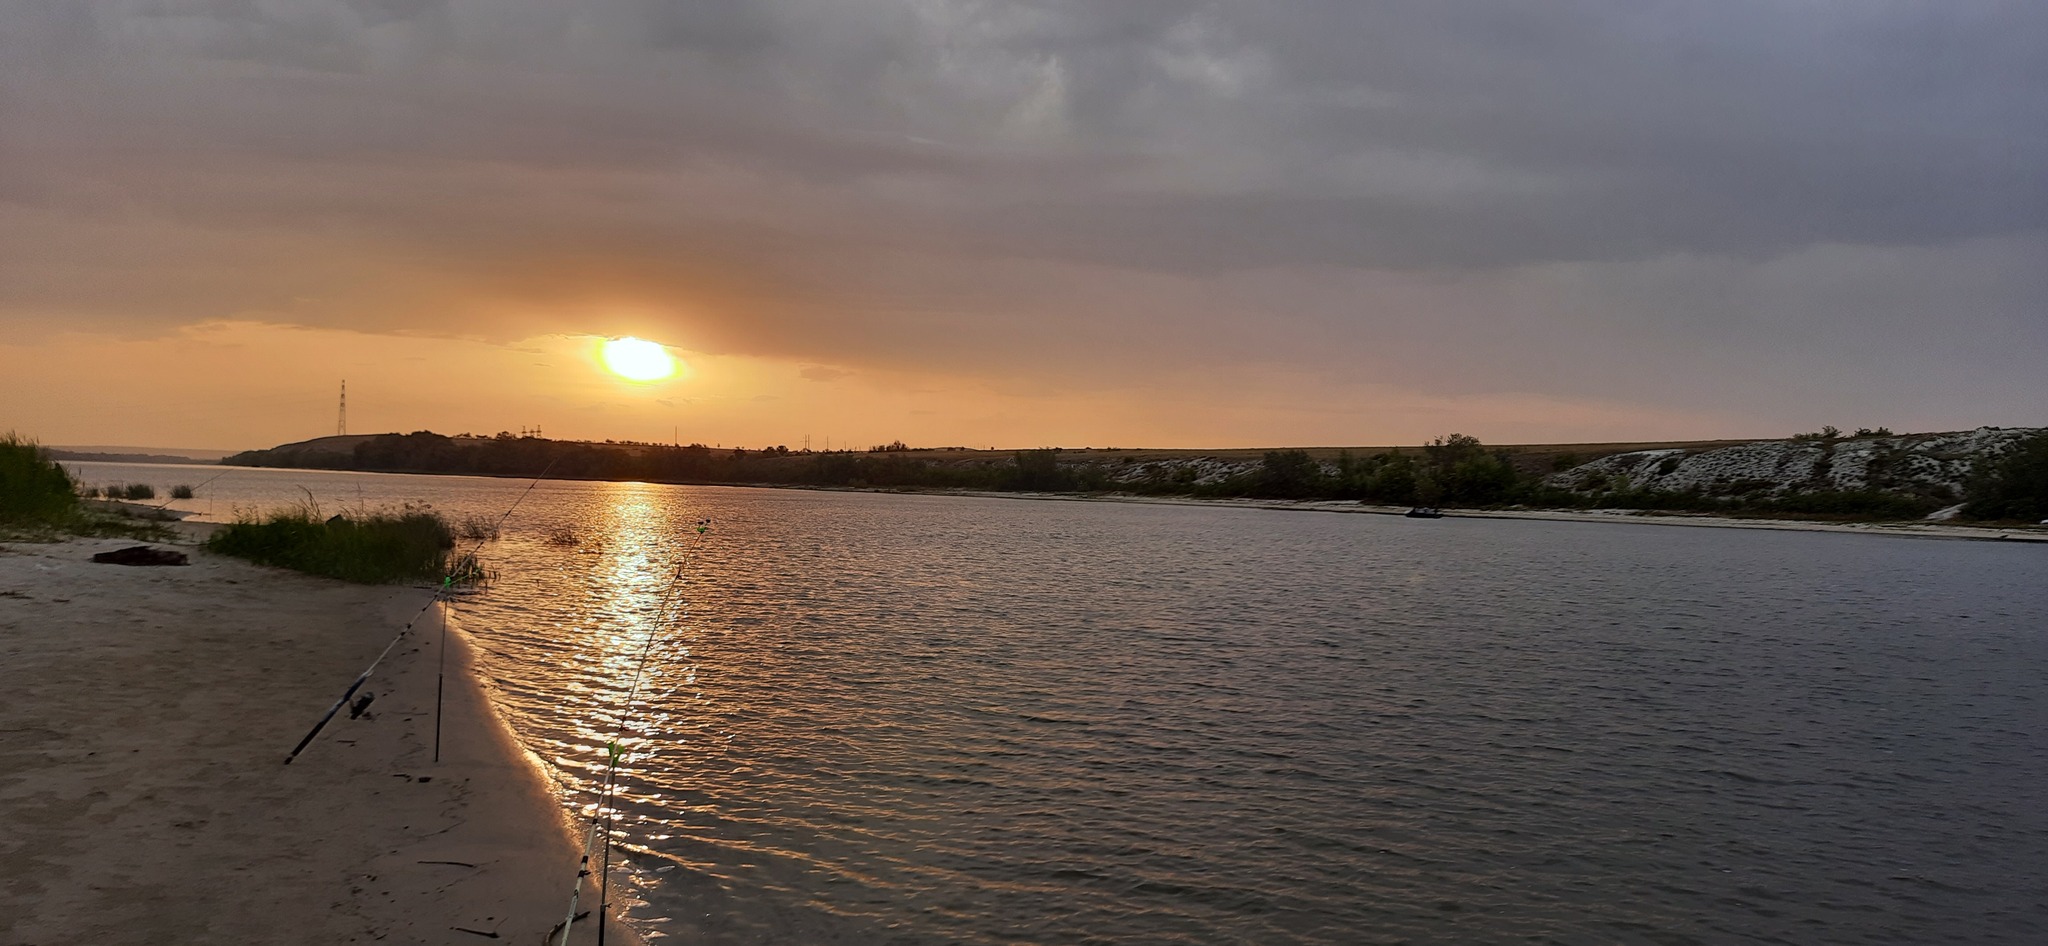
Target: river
{"points": [[937, 719]]}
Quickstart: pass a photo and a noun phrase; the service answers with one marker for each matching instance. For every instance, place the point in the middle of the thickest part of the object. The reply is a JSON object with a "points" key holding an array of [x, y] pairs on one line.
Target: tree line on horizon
{"points": [[1453, 470]]}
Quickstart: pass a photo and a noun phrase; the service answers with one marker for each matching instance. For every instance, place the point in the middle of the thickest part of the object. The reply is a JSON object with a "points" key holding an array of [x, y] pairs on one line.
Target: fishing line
{"points": [[447, 585], [195, 489], [441, 658], [607, 814], [447, 599]]}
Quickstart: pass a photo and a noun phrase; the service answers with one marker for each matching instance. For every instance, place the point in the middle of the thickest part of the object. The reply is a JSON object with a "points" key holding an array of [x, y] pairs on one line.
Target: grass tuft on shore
{"points": [[40, 502], [367, 549], [34, 491]]}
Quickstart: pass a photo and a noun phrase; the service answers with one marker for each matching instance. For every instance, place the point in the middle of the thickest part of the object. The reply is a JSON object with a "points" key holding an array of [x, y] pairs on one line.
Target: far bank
{"points": [[1996, 475]]}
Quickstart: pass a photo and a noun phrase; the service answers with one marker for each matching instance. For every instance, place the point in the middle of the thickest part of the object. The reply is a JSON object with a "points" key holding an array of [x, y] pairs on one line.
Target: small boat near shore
{"points": [[1425, 512]]}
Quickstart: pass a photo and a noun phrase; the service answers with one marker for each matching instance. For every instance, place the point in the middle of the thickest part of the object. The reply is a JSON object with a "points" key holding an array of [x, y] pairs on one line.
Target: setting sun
{"points": [[637, 359]]}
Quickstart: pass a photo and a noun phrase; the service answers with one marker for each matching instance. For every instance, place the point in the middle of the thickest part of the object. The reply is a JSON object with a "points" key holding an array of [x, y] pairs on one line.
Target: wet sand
{"points": [[144, 717]]}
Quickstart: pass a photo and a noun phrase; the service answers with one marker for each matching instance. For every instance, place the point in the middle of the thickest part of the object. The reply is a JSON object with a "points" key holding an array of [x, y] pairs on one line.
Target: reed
{"points": [[34, 490], [478, 528], [563, 537], [367, 549]]}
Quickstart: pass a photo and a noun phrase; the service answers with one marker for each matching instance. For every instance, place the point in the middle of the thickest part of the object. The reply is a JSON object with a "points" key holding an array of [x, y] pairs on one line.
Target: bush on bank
{"points": [[2014, 487], [34, 490], [371, 550]]}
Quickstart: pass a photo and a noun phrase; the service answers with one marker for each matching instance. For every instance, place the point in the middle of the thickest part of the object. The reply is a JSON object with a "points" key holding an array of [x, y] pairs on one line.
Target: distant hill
{"points": [[321, 450], [123, 454], [410, 453]]}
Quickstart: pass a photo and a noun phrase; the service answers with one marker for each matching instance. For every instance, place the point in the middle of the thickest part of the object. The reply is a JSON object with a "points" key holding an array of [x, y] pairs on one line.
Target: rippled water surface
{"points": [[915, 719]]}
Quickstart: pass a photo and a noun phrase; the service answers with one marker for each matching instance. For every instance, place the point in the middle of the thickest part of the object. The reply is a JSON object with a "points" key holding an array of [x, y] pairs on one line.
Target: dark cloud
{"points": [[730, 29], [380, 12]]}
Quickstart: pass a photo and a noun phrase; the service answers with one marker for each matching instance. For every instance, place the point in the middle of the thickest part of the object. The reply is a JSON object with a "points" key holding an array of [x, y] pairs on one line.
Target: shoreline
{"points": [[1924, 529], [148, 711], [1914, 530]]}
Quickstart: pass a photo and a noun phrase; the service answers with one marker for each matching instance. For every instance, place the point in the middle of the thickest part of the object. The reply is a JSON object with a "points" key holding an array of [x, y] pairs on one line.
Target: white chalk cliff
{"points": [[1936, 466]]}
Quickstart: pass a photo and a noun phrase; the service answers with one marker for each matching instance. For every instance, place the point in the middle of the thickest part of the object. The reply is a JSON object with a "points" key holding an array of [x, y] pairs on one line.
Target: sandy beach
{"points": [[145, 718]]}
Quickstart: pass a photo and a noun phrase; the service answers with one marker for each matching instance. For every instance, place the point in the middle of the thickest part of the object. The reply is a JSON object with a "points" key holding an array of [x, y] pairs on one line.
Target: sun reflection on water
{"points": [[618, 638]]}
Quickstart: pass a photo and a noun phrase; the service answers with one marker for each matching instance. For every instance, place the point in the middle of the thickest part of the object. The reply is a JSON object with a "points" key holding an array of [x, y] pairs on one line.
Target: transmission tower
{"points": [[341, 420]]}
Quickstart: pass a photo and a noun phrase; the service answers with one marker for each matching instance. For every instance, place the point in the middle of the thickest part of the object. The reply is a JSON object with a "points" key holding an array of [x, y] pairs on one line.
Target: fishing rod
{"points": [[447, 586], [607, 814], [609, 807], [345, 694]]}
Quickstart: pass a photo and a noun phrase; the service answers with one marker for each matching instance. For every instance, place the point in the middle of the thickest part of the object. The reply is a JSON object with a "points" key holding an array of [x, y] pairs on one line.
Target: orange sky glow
{"points": [[239, 384]]}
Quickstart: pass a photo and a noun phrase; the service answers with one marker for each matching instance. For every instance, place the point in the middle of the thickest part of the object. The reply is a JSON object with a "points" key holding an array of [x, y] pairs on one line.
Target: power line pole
{"points": [[341, 421]]}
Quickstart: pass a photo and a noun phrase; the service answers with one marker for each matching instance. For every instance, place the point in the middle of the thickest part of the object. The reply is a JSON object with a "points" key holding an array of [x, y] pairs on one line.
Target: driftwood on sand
{"points": [[140, 555]]}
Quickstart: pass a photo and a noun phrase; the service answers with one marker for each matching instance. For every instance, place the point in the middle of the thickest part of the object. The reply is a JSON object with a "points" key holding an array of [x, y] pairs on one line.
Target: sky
{"points": [[1017, 224]]}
